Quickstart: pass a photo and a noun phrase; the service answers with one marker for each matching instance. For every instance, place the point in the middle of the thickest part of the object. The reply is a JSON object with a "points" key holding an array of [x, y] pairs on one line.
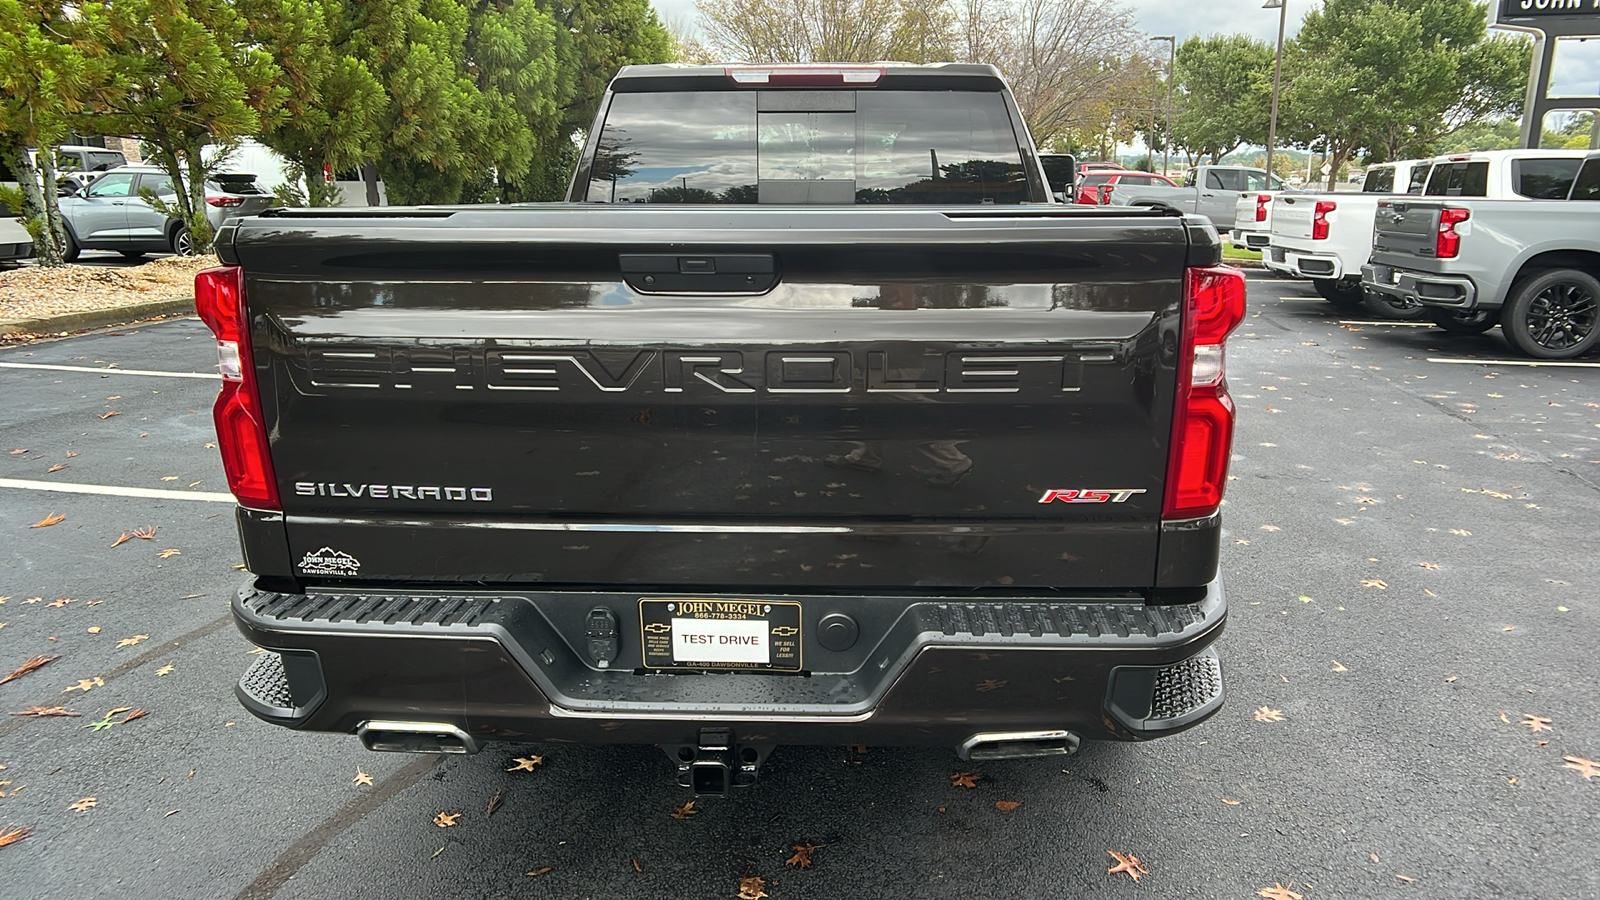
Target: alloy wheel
{"points": [[1561, 316]]}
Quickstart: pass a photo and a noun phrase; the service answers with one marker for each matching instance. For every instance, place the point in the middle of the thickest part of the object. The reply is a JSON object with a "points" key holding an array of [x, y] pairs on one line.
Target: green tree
{"points": [[429, 133], [1223, 94], [1397, 76], [46, 77], [192, 78], [332, 102], [511, 52]]}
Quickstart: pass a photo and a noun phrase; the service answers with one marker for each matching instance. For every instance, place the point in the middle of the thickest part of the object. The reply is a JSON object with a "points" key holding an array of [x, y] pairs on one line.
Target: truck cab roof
{"points": [[855, 76]]}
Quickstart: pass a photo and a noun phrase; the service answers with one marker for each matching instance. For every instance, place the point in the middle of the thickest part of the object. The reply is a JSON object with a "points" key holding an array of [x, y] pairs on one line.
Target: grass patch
{"points": [[1229, 251]]}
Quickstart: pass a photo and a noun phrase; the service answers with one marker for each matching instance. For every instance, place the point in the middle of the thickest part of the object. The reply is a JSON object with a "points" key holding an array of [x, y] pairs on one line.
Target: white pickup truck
{"points": [[1252, 220], [1328, 237]]}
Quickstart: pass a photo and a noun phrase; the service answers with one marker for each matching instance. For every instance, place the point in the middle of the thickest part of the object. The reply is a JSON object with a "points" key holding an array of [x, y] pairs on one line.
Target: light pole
{"points": [[1172, 61], [1282, 6]]}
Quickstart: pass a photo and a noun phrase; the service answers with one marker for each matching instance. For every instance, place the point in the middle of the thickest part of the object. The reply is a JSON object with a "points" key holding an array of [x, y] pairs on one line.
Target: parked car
{"points": [[1211, 191], [822, 445], [15, 242], [1531, 266], [111, 214], [89, 162], [1329, 238], [1096, 188]]}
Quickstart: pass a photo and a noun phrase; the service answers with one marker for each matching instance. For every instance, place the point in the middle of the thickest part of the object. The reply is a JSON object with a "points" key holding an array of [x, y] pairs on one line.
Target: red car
{"points": [[1094, 188]]}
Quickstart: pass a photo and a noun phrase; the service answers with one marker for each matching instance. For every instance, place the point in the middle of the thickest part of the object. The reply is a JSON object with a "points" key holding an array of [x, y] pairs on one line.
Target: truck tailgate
{"points": [[1292, 216], [1405, 231], [817, 398]]}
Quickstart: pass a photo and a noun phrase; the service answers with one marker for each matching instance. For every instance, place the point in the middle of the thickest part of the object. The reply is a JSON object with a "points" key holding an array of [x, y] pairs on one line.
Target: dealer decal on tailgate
{"points": [[692, 633]]}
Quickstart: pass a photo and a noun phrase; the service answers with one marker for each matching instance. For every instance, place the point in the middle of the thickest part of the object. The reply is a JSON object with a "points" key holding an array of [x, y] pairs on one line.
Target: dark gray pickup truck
{"points": [[810, 421]]}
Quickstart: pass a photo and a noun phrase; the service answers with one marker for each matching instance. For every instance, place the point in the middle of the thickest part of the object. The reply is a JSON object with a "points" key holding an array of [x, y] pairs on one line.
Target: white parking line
{"points": [[111, 490], [210, 375], [1395, 324], [1532, 364]]}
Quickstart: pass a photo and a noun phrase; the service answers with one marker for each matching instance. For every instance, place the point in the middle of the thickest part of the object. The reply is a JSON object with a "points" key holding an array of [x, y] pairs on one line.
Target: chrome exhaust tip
{"points": [[416, 737], [1018, 745]]}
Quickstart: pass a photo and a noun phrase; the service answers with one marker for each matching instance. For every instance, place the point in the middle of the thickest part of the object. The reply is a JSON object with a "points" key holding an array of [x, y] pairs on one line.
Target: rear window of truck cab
{"points": [[1544, 179], [1459, 179], [831, 147], [1587, 185]]}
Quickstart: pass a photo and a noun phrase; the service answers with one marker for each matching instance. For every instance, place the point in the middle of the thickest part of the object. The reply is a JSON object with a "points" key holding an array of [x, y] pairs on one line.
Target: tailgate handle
{"points": [[714, 273]]}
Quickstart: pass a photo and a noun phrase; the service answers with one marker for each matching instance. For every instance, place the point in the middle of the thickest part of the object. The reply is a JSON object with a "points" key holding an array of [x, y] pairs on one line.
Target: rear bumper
{"points": [[1250, 240], [1314, 265], [1421, 288], [511, 666]]}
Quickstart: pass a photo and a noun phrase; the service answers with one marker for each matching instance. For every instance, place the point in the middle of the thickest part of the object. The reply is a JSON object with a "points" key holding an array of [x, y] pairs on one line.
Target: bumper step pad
{"points": [[267, 683], [1185, 687]]}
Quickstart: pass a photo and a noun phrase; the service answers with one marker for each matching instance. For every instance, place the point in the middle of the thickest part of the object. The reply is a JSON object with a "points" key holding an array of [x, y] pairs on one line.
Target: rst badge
{"points": [[1086, 496]]}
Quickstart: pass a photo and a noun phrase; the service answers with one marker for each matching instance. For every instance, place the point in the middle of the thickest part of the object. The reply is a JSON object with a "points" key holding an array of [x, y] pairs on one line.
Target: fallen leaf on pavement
{"points": [[1127, 863], [1406, 878], [55, 468], [121, 539], [526, 764], [1430, 566], [1378, 583], [28, 666], [494, 804], [637, 867], [169, 553], [802, 855], [1270, 528], [1536, 723], [1461, 532], [1230, 802], [1451, 679], [1509, 628], [964, 779], [81, 805], [1588, 768], [87, 684], [445, 820], [685, 811], [362, 778], [130, 641], [9, 835], [19, 451], [46, 711], [60, 602], [1339, 666], [145, 533], [169, 478], [1007, 805], [166, 669], [539, 871], [752, 888], [1279, 892], [93, 629], [139, 713], [71, 453], [109, 413], [47, 521], [1267, 714]]}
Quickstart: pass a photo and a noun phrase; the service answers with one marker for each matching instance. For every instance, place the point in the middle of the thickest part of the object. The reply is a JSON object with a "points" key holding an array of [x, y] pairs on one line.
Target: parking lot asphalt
{"points": [[1410, 558]]}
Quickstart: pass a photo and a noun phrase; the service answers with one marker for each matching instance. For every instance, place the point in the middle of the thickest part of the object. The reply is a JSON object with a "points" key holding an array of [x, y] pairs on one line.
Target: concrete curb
{"points": [[95, 318]]}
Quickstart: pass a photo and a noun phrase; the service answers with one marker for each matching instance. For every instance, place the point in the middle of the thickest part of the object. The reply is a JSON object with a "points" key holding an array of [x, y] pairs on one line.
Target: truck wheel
{"points": [[1381, 306], [1467, 322], [1553, 316], [1344, 293]]}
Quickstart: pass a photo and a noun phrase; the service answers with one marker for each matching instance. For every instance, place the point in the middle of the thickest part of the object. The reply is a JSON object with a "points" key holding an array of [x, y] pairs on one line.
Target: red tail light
{"points": [[1202, 426], [1449, 243], [1319, 219], [225, 201], [219, 298], [1103, 194], [1261, 206]]}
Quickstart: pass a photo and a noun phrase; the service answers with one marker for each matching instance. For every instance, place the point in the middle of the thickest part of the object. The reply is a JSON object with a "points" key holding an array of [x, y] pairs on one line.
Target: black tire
{"points": [[182, 243], [132, 254], [1554, 315], [1344, 293], [70, 249], [1465, 322], [1379, 306]]}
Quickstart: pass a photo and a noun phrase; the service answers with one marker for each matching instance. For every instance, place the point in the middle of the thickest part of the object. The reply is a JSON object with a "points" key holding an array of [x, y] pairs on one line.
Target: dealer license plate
{"points": [[693, 633]]}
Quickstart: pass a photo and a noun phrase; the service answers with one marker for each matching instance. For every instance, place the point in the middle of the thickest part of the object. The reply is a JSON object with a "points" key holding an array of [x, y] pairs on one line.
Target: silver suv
{"points": [[110, 214]]}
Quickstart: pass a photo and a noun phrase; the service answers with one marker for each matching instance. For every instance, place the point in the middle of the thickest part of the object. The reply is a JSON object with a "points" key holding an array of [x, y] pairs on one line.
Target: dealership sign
{"points": [[1525, 9]]}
